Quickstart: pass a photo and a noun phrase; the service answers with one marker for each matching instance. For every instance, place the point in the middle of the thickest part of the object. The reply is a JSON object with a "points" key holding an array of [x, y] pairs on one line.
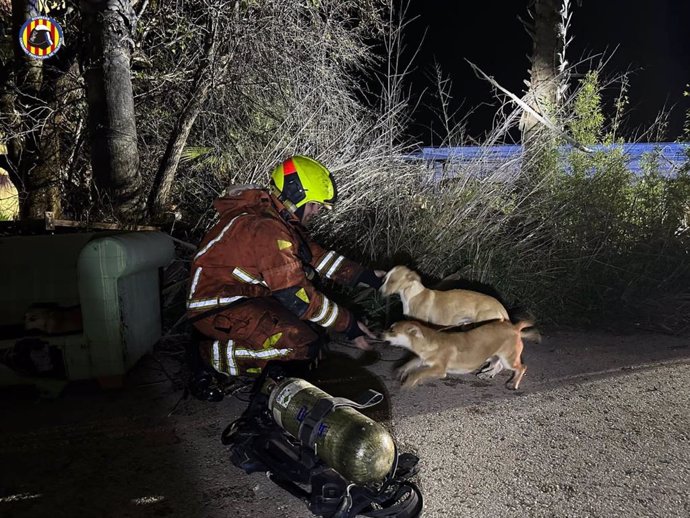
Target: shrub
{"points": [[579, 239]]}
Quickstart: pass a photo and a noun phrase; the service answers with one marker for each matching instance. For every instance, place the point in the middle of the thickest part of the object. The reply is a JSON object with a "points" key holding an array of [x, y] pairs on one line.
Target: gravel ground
{"points": [[600, 427]]}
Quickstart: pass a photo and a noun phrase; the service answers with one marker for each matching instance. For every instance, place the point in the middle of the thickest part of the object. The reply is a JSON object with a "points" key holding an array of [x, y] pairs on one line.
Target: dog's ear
{"points": [[415, 330], [412, 276]]}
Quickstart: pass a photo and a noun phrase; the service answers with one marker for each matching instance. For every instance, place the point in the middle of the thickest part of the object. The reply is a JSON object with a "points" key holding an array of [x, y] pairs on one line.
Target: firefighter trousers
{"points": [[244, 338]]}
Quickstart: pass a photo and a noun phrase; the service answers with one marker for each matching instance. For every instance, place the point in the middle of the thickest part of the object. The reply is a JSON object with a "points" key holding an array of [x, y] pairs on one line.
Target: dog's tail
{"points": [[531, 333]]}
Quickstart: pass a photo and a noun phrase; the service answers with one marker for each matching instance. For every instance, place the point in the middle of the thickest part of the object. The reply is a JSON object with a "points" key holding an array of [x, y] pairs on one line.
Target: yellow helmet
{"points": [[300, 179]]}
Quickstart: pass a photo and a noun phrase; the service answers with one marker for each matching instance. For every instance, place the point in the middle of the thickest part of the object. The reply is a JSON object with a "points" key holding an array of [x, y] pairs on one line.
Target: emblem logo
{"points": [[41, 37]]}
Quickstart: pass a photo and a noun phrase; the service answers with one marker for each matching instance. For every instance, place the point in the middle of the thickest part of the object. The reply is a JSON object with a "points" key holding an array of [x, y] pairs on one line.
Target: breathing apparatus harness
{"points": [[259, 444]]}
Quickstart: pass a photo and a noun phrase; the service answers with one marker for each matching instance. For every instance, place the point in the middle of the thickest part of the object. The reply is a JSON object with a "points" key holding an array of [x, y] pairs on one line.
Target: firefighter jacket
{"points": [[259, 249]]}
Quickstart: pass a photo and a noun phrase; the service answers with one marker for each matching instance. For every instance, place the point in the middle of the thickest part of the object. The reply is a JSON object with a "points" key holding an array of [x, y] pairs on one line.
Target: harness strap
{"points": [[309, 429]]}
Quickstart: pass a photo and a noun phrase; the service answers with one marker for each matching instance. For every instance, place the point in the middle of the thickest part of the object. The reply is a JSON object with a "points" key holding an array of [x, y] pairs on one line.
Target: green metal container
{"points": [[358, 448]]}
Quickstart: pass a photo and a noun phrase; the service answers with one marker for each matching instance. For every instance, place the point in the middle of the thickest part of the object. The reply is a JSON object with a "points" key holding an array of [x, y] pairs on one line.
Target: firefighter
{"points": [[254, 284]]}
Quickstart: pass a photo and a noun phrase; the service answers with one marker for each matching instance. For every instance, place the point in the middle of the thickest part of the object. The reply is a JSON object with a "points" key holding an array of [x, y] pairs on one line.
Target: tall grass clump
{"points": [[576, 237]]}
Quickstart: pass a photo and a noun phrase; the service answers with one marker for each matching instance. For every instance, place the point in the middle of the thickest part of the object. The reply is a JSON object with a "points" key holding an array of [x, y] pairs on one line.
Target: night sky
{"points": [[652, 36]]}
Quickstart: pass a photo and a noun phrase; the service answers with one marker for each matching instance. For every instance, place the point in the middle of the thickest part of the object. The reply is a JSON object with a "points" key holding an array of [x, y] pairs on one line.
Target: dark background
{"points": [[651, 38]]}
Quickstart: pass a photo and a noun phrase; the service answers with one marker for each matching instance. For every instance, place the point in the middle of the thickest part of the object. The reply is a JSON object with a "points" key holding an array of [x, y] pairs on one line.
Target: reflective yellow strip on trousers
{"points": [[233, 354]]}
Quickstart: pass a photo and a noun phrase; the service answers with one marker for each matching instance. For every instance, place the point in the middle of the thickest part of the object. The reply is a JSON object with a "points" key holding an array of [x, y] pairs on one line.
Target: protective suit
{"points": [[259, 263]]}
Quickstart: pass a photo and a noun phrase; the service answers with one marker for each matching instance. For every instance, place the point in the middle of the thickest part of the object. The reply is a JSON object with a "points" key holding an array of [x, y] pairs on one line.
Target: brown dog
{"points": [[440, 353], [446, 308]]}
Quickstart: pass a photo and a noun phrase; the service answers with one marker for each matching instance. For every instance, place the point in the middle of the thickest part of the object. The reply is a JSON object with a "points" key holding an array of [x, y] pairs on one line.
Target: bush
{"points": [[576, 237]]}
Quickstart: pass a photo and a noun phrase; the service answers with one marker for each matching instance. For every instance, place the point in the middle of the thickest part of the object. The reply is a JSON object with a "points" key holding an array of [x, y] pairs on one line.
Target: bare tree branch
{"points": [[524, 106]]}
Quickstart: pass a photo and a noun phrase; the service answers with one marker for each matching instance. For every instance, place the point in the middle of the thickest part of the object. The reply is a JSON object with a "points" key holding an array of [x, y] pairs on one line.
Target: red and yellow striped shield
{"points": [[41, 37]]}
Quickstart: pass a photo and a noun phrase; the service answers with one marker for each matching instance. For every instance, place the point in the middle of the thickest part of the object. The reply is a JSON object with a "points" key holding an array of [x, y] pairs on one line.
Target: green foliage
{"points": [[609, 243], [587, 119]]}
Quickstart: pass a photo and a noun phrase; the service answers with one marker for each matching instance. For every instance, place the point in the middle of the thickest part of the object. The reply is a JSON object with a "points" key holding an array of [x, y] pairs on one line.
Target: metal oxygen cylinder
{"points": [[357, 447]]}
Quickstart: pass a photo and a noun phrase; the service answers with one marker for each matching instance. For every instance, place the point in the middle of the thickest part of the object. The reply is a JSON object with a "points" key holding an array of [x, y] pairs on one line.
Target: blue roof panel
{"points": [[671, 155]]}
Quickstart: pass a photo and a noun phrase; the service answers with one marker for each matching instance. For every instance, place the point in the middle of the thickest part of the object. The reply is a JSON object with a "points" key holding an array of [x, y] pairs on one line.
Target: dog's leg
{"points": [[514, 363], [489, 370], [402, 371], [514, 381], [422, 373]]}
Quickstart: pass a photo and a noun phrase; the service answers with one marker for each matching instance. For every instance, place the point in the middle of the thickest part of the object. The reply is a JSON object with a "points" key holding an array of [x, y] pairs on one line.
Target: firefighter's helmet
{"points": [[40, 37], [300, 179]]}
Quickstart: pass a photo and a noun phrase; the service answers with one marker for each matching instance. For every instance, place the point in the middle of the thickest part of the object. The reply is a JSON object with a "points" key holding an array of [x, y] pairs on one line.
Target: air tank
{"points": [[357, 447]]}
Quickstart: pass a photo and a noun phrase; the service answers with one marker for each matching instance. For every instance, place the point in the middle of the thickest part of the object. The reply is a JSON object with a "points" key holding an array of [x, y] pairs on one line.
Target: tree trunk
{"points": [[108, 26], [33, 146], [538, 141], [546, 44], [160, 191]]}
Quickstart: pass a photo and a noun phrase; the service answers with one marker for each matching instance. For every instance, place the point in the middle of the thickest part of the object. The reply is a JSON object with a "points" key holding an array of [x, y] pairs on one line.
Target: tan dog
{"points": [[446, 308], [440, 353]]}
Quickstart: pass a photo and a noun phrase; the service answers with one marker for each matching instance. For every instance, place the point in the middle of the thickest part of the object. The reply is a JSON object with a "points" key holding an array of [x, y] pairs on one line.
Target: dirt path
{"points": [[600, 427]]}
